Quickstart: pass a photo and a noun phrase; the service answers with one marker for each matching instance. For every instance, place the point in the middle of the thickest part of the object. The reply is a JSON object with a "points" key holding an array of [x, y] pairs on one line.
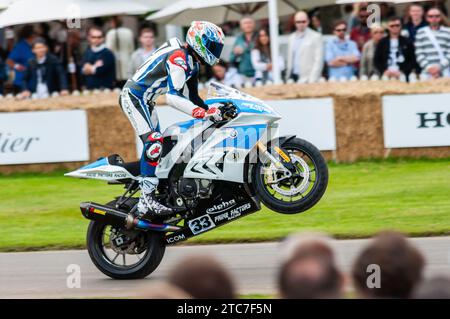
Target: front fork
{"points": [[281, 164]]}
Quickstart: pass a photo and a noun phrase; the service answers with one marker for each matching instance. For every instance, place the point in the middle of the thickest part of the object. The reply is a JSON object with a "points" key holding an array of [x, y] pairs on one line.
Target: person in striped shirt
{"points": [[433, 46]]}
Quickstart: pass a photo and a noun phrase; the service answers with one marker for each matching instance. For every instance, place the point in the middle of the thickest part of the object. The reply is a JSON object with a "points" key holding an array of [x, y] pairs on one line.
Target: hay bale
{"points": [[359, 130]]}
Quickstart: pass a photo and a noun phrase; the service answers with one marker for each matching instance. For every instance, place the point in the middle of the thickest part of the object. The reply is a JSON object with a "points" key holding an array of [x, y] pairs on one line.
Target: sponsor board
{"points": [[43, 137], [309, 119], [419, 120]]}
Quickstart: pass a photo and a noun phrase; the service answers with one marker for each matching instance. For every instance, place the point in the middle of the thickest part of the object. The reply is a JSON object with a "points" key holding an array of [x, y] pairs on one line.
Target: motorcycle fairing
{"points": [[234, 202], [102, 170], [210, 160], [247, 106]]}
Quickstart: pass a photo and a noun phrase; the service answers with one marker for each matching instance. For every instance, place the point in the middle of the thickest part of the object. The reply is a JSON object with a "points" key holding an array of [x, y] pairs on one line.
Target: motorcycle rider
{"points": [[170, 70]]}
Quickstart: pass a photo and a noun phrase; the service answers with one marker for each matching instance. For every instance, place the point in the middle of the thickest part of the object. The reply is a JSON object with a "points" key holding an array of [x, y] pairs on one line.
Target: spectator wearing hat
{"points": [[98, 64], [305, 51], [44, 74]]}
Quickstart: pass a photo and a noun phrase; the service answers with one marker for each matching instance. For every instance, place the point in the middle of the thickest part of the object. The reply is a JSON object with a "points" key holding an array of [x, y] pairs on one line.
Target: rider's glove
{"points": [[214, 114], [198, 113]]}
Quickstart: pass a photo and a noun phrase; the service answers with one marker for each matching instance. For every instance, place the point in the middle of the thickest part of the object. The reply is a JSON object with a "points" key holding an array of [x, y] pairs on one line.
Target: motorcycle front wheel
{"points": [[302, 189]]}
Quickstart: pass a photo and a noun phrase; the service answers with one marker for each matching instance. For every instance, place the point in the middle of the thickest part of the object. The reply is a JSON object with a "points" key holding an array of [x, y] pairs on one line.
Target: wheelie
{"points": [[196, 175]]}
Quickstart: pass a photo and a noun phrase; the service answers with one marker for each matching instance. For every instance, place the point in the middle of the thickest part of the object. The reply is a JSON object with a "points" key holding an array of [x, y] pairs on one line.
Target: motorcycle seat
{"points": [[134, 168]]}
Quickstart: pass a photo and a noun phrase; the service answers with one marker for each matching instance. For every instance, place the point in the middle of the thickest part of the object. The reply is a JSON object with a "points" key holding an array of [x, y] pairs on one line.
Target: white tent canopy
{"points": [[5, 4], [371, 1], [183, 12], [152, 5], [32, 11], [219, 11]]}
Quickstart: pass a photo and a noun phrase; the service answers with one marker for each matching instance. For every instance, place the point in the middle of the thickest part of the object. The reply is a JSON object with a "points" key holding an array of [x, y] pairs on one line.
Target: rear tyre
{"points": [[303, 189], [110, 247]]}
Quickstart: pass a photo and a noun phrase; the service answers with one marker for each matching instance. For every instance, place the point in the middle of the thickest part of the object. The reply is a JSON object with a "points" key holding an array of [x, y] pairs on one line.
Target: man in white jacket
{"points": [[120, 40], [305, 51]]}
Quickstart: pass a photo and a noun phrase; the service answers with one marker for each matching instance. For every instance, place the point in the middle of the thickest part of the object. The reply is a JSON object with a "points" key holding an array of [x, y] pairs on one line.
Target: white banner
{"points": [[419, 120], [309, 119], [43, 137]]}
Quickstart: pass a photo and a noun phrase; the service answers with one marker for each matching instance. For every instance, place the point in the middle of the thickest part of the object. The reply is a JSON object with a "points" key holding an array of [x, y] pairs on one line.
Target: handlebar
{"points": [[228, 110]]}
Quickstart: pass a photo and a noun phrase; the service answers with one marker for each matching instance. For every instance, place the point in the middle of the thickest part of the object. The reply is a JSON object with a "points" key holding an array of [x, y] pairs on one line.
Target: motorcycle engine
{"points": [[192, 188]]}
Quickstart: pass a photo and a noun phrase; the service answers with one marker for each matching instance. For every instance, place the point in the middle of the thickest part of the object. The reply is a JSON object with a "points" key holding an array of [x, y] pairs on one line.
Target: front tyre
{"points": [[299, 191], [124, 254]]}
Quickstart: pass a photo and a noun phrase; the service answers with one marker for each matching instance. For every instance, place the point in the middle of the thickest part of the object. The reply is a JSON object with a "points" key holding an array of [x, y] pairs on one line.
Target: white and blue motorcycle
{"points": [[211, 173]]}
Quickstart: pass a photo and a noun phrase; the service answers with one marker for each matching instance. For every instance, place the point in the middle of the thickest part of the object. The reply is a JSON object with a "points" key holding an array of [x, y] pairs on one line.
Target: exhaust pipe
{"points": [[119, 218]]}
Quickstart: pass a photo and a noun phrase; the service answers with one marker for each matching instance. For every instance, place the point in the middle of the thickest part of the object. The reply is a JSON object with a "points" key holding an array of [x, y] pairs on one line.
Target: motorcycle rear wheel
{"points": [[300, 192], [147, 250]]}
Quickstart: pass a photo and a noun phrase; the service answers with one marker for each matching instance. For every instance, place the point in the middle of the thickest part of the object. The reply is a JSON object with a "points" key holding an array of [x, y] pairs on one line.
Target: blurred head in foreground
{"points": [[162, 290], [436, 288], [309, 270], [400, 267], [202, 277], [314, 241]]}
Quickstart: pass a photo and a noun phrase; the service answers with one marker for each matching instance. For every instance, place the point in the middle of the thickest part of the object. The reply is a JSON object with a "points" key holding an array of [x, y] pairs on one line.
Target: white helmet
{"points": [[206, 39]]}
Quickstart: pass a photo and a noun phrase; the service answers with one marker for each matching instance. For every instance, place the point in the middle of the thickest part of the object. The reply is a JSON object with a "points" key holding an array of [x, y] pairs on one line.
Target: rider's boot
{"points": [[148, 205]]}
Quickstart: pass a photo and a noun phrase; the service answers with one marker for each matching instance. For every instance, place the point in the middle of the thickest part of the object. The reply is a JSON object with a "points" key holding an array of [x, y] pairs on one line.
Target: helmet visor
{"points": [[214, 47]]}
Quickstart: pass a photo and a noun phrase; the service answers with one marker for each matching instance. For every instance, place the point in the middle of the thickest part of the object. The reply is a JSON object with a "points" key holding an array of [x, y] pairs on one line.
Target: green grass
{"points": [[40, 211]]}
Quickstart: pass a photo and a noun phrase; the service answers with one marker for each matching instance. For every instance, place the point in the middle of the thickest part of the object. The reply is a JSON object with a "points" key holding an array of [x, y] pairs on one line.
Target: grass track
{"points": [[40, 211]]}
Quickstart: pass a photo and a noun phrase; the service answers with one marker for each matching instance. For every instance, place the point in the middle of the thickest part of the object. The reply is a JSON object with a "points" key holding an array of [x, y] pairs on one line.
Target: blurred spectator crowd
{"points": [[389, 266], [394, 48], [45, 61]]}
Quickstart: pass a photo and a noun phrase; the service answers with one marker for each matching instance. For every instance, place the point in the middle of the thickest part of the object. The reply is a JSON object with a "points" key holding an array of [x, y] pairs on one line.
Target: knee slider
{"points": [[153, 147]]}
